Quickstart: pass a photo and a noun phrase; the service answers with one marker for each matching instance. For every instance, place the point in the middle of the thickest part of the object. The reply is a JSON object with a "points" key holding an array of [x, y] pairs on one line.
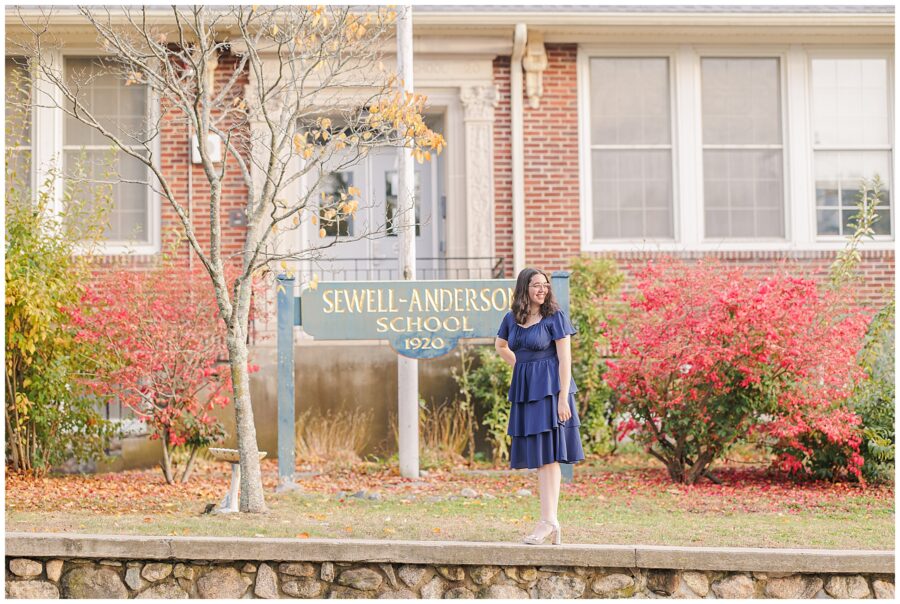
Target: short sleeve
{"points": [[504, 327], [560, 325]]}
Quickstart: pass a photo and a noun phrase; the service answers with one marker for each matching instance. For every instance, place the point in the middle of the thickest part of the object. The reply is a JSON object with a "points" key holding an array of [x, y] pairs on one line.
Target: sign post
{"points": [[286, 401], [407, 367]]}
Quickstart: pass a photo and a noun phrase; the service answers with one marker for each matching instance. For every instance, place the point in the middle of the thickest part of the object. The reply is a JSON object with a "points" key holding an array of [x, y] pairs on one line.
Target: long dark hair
{"points": [[520, 297]]}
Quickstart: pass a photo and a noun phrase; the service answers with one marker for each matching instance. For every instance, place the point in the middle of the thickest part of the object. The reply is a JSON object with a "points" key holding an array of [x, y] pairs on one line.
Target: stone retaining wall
{"points": [[53, 566]]}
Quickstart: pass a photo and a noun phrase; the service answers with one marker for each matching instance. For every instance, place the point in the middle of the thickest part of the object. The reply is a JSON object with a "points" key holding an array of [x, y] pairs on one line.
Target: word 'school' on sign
{"points": [[420, 319]]}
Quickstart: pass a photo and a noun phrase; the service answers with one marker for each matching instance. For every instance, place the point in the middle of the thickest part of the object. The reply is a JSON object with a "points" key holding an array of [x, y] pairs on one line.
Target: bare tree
{"points": [[290, 93]]}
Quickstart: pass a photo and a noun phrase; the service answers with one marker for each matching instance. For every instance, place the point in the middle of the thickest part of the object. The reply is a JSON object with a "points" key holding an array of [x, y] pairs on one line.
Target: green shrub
{"points": [[594, 283], [486, 386], [50, 418], [874, 398]]}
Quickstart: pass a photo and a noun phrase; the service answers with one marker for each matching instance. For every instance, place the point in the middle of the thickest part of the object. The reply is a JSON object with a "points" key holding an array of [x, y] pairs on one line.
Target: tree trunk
{"points": [[166, 464], [252, 499], [189, 467]]}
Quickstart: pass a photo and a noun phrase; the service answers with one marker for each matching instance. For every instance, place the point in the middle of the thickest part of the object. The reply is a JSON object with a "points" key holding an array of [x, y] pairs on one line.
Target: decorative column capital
{"points": [[479, 101]]}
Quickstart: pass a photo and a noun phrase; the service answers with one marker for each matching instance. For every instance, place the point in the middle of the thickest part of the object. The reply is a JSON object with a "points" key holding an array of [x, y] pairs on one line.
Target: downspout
{"points": [[518, 146]]}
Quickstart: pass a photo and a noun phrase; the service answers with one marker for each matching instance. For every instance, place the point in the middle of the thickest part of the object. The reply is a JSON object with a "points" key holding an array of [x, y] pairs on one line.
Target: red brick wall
{"points": [[552, 189]]}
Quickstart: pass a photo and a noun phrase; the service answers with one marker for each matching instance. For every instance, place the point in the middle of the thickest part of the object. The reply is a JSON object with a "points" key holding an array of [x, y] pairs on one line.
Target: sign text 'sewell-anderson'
{"points": [[421, 319]]}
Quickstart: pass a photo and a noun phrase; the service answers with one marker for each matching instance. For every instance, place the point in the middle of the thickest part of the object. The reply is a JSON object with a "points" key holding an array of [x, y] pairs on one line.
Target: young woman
{"points": [[543, 422]]}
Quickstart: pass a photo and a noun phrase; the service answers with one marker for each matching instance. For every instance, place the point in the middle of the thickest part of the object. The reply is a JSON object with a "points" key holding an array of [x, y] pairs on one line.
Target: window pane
{"points": [[390, 200], [120, 108], [741, 100], [18, 103], [630, 101], [743, 193], [838, 177], [632, 193], [338, 224], [18, 126], [97, 177], [850, 102]]}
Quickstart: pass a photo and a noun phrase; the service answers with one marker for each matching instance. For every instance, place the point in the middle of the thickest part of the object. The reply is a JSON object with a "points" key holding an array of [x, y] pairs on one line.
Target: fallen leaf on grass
{"points": [[302, 535]]}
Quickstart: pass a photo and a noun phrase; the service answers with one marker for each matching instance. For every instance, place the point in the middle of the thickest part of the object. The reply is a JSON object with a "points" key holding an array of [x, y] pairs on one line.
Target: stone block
{"points": [[364, 579], [458, 593], [793, 587], [434, 589], [847, 587], [23, 567], [398, 594], [884, 590], [297, 569], [303, 588], [734, 586], [183, 571], [167, 590], [88, 582], [388, 571], [503, 592], [411, 575], [31, 590], [615, 585], [326, 573], [54, 570], [223, 582], [697, 582], [451, 573], [266, 583], [133, 578], [156, 571], [560, 586], [482, 574], [336, 592]]}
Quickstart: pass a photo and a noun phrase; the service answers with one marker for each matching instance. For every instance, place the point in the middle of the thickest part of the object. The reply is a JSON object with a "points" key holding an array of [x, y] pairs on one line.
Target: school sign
{"points": [[420, 319]]}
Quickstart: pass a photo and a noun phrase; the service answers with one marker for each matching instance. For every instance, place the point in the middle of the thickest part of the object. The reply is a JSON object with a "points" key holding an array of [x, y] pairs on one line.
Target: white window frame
{"points": [[583, 77], [47, 150], [687, 175], [826, 52], [767, 52]]}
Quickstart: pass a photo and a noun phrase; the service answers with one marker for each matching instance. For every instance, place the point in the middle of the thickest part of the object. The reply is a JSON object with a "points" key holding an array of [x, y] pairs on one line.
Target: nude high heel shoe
{"points": [[554, 535]]}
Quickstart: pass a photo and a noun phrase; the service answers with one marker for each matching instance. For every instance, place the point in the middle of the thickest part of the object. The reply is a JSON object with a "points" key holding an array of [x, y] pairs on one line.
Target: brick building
{"points": [[623, 131]]}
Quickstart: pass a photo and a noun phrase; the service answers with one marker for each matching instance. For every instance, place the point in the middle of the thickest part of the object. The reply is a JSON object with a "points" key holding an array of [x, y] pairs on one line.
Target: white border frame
{"points": [[687, 161]]}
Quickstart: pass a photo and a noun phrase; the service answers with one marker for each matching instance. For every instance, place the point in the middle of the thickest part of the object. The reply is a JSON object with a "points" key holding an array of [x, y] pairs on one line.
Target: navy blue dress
{"points": [[538, 437]]}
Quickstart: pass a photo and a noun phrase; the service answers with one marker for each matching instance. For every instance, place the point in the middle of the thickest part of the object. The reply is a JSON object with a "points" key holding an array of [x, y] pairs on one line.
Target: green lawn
{"points": [[625, 500]]}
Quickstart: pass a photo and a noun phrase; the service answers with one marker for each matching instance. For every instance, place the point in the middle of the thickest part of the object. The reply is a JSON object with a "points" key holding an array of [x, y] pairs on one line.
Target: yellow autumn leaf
{"points": [[321, 232], [275, 30], [353, 190], [315, 219]]}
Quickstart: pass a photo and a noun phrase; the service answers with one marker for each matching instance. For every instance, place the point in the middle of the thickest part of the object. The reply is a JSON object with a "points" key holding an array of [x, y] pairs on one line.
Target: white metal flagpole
{"points": [[407, 368]]}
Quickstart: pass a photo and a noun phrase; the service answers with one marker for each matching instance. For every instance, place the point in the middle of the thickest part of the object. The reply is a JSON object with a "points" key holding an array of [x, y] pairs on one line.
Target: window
{"points": [[851, 139], [390, 201], [18, 125], [742, 148], [335, 222], [124, 111], [630, 148]]}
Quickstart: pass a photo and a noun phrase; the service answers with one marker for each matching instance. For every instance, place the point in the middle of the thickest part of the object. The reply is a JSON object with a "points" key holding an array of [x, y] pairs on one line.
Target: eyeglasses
{"points": [[540, 286]]}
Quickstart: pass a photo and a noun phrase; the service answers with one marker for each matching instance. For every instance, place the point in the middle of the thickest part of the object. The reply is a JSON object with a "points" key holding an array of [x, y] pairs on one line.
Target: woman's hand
{"points": [[563, 410]]}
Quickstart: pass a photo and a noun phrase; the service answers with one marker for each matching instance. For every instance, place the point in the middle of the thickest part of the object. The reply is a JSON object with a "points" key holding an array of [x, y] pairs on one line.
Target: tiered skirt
{"points": [[538, 437]]}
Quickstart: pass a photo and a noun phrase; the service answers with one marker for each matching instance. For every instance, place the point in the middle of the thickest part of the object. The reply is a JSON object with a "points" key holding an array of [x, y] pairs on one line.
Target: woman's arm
{"points": [[564, 352], [502, 348]]}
